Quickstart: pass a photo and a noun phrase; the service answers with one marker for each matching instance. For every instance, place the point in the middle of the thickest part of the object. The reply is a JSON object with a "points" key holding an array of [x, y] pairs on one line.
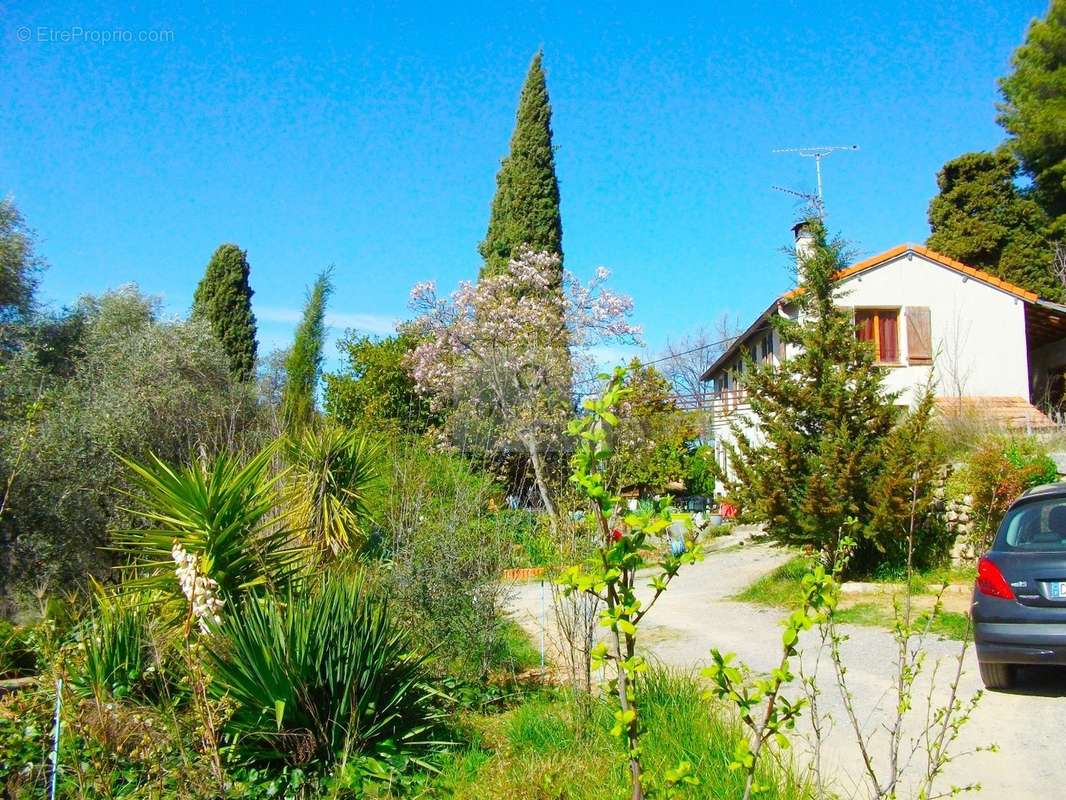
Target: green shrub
{"points": [[115, 648], [445, 547], [318, 675], [16, 652], [532, 542], [998, 470], [1029, 457], [332, 472], [221, 512]]}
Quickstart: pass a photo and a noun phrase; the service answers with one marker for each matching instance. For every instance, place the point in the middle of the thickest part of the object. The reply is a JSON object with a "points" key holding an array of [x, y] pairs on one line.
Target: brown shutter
{"points": [[919, 336], [864, 325], [888, 338]]}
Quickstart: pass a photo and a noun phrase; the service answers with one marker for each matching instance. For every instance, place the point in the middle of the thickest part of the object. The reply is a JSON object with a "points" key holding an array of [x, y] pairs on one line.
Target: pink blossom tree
{"points": [[500, 355]]}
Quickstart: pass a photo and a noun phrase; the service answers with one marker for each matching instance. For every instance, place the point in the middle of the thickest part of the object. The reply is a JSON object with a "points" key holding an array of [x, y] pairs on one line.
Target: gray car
{"points": [[1019, 600]]}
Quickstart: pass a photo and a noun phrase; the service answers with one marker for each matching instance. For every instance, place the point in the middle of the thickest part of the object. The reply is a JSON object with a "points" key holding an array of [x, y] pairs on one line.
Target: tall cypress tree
{"points": [[525, 210], [224, 299], [304, 362]]}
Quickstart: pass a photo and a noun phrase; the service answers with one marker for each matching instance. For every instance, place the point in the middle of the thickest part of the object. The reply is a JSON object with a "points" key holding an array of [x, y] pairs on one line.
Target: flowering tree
{"points": [[500, 354]]}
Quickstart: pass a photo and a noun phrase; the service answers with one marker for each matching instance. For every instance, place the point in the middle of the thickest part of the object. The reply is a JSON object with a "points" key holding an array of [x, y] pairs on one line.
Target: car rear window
{"points": [[1036, 525]]}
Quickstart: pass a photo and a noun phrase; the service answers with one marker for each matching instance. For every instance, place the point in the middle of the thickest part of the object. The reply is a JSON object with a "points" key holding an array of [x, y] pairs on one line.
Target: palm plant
{"points": [[332, 471], [320, 674], [222, 513]]}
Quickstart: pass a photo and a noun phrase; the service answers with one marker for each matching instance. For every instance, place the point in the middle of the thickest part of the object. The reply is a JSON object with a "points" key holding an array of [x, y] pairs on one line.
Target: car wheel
{"points": [[996, 676]]}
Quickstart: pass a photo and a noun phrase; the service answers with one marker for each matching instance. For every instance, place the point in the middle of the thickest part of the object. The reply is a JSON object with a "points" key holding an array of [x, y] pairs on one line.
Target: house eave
{"points": [[740, 341]]}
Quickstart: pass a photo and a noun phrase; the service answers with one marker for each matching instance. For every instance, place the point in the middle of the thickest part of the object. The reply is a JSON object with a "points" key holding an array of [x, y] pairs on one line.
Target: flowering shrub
{"points": [[501, 354]]}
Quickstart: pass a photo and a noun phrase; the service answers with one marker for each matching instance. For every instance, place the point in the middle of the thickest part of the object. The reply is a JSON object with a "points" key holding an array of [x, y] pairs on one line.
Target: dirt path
{"points": [[695, 615]]}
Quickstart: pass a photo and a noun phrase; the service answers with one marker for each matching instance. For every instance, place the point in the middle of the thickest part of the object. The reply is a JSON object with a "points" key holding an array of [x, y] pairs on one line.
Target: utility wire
{"points": [[672, 356]]}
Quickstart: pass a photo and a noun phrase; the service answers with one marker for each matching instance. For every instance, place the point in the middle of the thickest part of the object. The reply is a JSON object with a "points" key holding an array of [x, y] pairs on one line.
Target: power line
{"points": [[672, 356]]}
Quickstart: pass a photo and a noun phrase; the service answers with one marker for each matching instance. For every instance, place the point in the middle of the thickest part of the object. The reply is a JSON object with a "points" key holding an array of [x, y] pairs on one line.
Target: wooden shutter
{"points": [[919, 336], [864, 325], [887, 336]]}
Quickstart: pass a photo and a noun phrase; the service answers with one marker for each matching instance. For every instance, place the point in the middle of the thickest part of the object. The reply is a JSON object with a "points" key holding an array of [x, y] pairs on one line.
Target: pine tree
{"points": [[828, 430], [224, 299], [983, 219], [1034, 111], [525, 210], [304, 362]]}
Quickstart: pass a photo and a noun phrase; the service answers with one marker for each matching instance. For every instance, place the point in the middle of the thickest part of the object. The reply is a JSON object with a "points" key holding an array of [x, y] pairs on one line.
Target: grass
{"points": [[782, 588], [778, 588], [949, 624], [517, 650], [557, 747]]}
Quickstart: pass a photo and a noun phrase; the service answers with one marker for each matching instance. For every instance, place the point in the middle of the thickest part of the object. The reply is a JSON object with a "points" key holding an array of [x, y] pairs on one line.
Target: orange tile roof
{"points": [[932, 255]]}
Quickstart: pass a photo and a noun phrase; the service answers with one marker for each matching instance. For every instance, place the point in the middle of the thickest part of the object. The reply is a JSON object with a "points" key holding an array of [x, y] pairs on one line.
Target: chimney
{"points": [[804, 246]]}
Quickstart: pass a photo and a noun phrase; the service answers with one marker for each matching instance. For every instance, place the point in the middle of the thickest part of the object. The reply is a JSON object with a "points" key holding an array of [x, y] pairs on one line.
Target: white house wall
{"points": [[978, 336], [978, 331]]}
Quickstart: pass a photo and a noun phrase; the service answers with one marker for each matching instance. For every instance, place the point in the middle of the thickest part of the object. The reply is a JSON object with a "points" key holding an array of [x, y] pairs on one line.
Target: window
{"points": [[766, 348], [1037, 525], [880, 326]]}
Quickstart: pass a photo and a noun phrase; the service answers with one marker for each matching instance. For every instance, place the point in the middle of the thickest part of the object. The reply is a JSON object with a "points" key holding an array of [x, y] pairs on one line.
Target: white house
{"points": [[995, 349]]}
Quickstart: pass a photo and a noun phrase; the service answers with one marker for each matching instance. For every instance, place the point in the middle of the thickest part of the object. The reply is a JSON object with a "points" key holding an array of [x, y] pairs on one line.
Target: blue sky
{"points": [[368, 136]]}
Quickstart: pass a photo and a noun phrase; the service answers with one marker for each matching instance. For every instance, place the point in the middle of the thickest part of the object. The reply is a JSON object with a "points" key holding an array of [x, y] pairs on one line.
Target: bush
{"points": [[532, 542], [128, 382], [221, 513], [445, 545], [333, 471], [319, 675], [16, 653], [116, 649], [999, 469]]}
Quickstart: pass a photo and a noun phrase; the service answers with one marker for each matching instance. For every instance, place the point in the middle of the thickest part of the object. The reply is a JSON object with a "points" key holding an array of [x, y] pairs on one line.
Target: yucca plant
{"points": [[115, 658], [222, 512], [320, 675], [332, 471]]}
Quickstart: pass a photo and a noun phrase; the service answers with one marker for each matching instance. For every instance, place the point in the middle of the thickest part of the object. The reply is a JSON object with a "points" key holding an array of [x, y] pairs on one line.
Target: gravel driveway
{"points": [[1028, 725]]}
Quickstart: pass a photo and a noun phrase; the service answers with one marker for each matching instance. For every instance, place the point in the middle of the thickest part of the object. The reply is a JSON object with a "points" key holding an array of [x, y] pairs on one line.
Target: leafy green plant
{"points": [[832, 441], [445, 548], [16, 653], [221, 513], [997, 471], [763, 708], [626, 541], [116, 648], [332, 472], [319, 675]]}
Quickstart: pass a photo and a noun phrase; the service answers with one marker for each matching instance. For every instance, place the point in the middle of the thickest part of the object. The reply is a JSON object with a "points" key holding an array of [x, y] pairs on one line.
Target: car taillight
{"points": [[990, 580]]}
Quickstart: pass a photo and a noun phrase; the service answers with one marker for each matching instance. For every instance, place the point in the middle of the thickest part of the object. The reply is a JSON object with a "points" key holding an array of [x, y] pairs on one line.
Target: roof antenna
{"points": [[817, 153]]}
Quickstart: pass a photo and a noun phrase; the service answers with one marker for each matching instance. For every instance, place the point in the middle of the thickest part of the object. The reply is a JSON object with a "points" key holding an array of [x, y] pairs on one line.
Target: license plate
{"points": [[1057, 590]]}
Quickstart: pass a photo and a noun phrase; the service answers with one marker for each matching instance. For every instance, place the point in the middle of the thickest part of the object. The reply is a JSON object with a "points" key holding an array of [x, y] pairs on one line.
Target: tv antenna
{"points": [[817, 153]]}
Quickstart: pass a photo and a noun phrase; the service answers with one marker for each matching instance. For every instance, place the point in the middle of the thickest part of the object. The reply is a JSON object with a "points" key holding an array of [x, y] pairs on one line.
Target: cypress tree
{"points": [[224, 299], [525, 210], [304, 362]]}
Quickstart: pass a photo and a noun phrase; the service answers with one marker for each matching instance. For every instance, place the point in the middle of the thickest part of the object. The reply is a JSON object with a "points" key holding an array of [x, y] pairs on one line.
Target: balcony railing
{"points": [[720, 403]]}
